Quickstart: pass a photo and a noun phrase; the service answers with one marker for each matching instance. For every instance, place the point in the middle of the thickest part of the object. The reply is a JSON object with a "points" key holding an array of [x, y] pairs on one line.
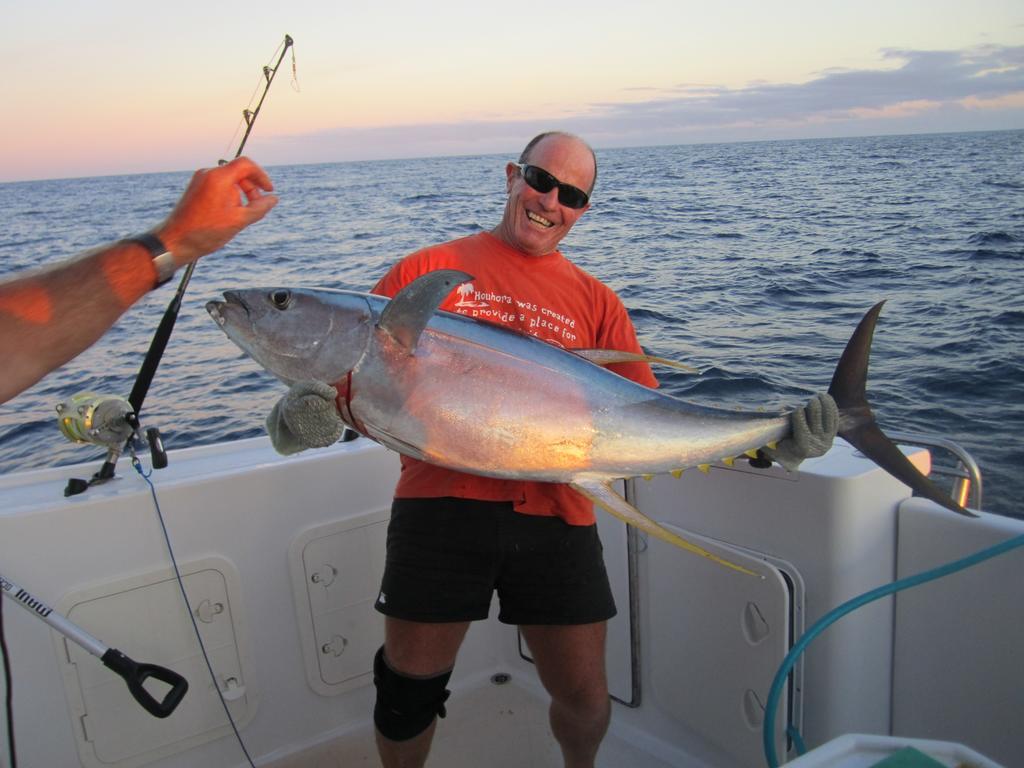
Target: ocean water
{"points": [[751, 262]]}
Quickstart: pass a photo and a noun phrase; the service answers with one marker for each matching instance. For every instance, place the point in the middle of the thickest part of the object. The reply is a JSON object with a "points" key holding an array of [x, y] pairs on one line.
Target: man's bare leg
{"points": [[422, 650], [570, 662]]}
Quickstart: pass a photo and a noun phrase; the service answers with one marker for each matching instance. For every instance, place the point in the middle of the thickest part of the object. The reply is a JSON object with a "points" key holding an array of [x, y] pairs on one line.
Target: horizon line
{"points": [[614, 147]]}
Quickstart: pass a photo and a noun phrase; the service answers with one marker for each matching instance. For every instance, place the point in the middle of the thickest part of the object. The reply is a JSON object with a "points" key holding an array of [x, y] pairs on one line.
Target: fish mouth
{"points": [[214, 310], [219, 310]]}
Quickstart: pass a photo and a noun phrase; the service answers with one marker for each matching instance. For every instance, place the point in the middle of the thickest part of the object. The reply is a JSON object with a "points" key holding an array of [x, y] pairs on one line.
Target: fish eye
{"points": [[281, 298]]}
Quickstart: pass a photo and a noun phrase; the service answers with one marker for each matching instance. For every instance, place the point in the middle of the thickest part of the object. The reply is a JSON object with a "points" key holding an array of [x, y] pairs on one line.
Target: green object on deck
{"points": [[908, 757]]}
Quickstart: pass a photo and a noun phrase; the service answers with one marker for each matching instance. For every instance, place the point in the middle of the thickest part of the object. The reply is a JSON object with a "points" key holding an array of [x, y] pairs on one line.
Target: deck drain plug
{"points": [[501, 678]]}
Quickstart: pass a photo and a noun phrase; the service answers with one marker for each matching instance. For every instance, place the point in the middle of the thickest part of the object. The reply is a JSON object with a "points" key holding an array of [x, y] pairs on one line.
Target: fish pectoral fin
{"points": [[602, 495], [395, 444], [611, 356], [406, 315]]}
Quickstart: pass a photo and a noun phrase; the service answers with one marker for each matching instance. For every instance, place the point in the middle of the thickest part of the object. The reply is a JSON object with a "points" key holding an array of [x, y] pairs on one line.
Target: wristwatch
{"points": [[163, 259]]}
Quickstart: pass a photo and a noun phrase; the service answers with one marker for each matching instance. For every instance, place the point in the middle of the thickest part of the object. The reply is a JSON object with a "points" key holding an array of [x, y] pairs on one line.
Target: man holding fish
{"points": [[454, 537]]}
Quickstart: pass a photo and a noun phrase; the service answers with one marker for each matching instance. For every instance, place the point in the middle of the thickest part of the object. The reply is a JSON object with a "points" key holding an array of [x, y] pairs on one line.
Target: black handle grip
{"points": [[135, 674]]}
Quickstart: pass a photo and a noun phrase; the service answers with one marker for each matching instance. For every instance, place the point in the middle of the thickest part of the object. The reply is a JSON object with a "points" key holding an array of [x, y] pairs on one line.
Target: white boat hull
{"points": [[281, 556]]}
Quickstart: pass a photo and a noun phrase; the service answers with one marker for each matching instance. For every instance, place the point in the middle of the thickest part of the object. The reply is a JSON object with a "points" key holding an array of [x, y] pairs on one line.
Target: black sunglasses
{"points": [[544, 182]]}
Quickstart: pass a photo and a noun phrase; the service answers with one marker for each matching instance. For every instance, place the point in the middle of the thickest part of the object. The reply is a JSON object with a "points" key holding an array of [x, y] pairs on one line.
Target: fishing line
{"points": [[775, 693], [188, 608], [148, 369]]}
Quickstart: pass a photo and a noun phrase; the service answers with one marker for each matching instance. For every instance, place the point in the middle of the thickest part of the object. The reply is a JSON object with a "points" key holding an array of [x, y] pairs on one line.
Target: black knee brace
{"points": [[406, 706]]}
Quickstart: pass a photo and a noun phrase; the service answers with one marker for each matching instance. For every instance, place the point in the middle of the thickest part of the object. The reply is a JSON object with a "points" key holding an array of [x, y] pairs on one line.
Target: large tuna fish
{"points": [[479, 398]]}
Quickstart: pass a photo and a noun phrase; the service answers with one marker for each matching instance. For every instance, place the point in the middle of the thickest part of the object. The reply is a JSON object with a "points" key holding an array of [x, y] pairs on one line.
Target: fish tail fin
{"points": [[857, 423]]}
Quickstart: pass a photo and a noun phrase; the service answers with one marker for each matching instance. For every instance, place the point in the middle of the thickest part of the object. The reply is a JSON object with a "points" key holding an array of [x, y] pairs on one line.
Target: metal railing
{"points": [[964, 475]]}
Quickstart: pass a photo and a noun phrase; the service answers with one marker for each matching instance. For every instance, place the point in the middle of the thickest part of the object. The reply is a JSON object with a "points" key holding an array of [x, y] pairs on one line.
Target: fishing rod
{"points": [[113, 422], [132, 672]]}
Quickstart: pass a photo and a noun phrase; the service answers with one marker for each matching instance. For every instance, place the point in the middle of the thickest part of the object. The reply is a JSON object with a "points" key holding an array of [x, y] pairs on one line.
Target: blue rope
{"points": [[181, 585], [851, 605]]}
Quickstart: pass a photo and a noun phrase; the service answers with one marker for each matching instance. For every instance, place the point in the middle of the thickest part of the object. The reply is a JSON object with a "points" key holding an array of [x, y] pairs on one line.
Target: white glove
{"points": [[814, 428], [305, 417]]}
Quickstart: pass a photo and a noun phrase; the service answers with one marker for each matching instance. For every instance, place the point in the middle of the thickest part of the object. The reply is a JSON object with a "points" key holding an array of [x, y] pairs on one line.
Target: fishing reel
{"points": [[108, 421], [99, 419]]}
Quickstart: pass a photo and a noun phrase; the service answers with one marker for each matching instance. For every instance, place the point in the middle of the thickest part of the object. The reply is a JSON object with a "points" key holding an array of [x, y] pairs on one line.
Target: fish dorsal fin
{"points": [[406, 315], [610, 356]]}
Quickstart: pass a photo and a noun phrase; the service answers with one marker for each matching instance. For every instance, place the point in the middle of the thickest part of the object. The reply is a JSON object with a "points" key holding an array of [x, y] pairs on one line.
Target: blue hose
{"points": [[851, 605]]}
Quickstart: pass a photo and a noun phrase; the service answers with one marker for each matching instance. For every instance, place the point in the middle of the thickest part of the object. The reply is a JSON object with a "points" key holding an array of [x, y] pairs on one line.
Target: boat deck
{"points": [[489, 724]]}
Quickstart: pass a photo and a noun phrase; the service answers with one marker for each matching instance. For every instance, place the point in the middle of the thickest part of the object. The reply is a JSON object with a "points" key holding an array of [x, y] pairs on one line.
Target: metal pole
{"points": [[43, 611]]}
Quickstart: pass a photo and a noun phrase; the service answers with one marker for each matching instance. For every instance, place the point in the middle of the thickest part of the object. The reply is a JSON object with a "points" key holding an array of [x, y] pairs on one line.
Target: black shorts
{"points": [[446, 556]]}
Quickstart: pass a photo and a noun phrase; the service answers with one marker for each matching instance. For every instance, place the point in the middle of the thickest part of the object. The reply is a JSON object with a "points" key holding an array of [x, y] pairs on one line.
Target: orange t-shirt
{"points": [[544, 296]]}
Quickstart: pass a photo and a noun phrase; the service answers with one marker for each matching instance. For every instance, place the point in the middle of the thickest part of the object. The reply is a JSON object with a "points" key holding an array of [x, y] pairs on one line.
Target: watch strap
{"points": [[163, 259]]}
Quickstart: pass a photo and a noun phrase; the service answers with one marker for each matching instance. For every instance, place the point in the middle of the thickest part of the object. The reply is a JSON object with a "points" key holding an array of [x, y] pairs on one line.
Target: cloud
{"points": [[980, 88], [932, 77]]}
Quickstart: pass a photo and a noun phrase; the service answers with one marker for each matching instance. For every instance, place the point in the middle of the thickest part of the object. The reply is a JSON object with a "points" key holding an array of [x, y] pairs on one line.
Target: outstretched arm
{"points": [[49, 315]]}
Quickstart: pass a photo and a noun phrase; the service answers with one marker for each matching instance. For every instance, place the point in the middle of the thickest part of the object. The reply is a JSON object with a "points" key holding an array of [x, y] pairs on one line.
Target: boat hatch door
{"points": [[336, 571], [716, 640], [145, 617]]}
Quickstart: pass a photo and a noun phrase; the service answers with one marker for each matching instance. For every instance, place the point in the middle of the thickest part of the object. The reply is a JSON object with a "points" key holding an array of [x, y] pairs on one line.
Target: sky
{"points": [[102, 87]]}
